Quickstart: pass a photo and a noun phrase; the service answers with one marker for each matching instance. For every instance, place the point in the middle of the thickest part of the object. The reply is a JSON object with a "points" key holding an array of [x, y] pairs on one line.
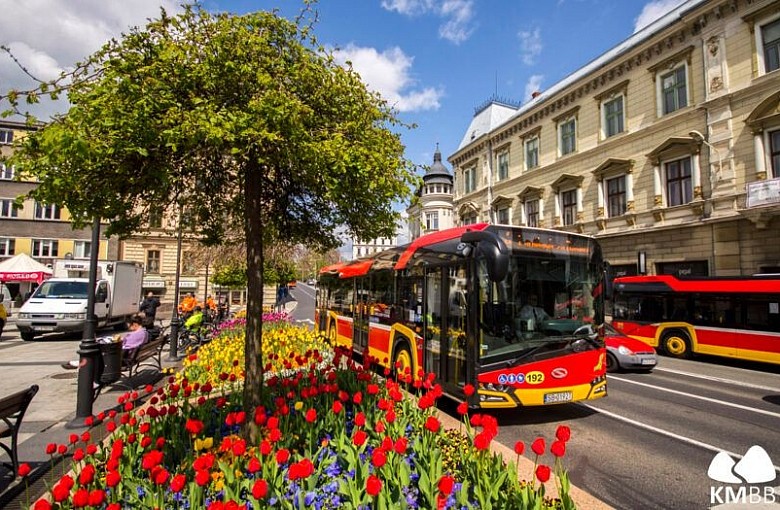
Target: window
{"points": [[153, 261], [7, 246], [188, 265], [470, 219], [616, 196], [44, 248], [613, 116], [678, 182], [432, 221], [6, 136], [46, 212], [569, 206], [770, 42], [568, 138], [503, 216], [503, 166], [674, 90], [7, 208], [774, 147], [81, 249], [532, 213], [470, 179], [155, 218], [6, 172], [532, 153]]}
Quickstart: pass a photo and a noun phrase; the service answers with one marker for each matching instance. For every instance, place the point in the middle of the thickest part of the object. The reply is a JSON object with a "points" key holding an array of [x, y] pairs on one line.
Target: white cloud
{"points": [[388, 73], [654, 10], [534, 84], [530, 45], [49, 36], [457, 14]]}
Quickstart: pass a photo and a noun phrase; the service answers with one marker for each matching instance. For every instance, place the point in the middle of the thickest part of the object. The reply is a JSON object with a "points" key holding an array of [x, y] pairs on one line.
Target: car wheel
{"points": [[612, 363], [677, 344], [402, 360]]}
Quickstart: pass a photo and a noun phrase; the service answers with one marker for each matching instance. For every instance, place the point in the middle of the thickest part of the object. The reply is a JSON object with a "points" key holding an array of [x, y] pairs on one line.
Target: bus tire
{"points": [[676, 344], [402, 359]]}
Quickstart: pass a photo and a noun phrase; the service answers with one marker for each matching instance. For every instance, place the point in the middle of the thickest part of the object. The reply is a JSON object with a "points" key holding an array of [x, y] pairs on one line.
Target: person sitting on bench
{"points": [[137, 336]]}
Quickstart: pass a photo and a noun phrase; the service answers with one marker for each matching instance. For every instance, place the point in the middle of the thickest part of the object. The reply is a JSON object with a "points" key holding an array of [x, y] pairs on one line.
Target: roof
{"points": [[486, 120], [437, 172]]}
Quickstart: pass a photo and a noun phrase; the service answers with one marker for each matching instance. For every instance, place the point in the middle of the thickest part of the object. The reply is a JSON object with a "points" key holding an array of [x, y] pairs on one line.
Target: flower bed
{"points": [[333, 435]]}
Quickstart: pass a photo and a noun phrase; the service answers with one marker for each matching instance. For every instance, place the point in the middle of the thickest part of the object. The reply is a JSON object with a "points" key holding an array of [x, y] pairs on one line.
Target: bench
{"points": [[148, 354], [12, 409]]}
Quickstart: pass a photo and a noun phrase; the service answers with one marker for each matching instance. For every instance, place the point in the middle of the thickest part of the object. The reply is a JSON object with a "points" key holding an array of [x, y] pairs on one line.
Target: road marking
{"points": [[716, 379], [306, 321], [706, 399], [663, 432]]}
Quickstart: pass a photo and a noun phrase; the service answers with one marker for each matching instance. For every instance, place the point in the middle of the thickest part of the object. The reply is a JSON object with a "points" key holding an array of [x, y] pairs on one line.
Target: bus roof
{"points": [[714, 284]]}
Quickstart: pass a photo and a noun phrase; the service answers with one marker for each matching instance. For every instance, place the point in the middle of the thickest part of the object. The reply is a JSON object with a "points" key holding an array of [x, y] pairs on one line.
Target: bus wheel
{"points": [[677, 344], [402, 361]]}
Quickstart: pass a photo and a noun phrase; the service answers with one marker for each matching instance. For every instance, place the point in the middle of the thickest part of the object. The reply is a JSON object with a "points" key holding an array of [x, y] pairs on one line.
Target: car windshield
{"points": [[62, 290], [544, 303]]}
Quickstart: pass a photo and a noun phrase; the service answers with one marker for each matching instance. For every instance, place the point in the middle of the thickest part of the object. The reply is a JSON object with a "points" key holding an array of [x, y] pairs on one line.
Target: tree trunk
{"points": [[253, 365]]}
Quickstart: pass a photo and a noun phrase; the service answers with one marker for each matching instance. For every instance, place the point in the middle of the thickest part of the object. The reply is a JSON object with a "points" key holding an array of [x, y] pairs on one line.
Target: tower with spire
{"points": [[432, 206]]}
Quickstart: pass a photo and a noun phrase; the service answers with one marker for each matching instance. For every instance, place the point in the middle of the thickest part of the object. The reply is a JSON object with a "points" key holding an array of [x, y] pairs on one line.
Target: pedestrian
{"points": [[149, 307]]}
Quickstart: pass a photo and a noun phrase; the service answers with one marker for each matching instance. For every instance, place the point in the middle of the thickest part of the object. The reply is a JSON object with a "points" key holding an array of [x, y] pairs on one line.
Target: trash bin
{"points": [[109, 366]]}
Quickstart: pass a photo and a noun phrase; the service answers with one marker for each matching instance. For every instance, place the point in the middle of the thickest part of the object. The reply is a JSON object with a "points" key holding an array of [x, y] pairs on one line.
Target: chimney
{"points": [[535, 94]]}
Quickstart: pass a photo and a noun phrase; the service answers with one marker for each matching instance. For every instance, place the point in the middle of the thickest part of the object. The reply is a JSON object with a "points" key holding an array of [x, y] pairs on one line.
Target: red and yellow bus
{"points": [[456, 303], [735, 317]]}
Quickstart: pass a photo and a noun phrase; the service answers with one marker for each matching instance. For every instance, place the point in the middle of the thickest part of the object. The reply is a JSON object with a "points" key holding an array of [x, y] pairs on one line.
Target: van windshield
{"points": [[62, 290]]}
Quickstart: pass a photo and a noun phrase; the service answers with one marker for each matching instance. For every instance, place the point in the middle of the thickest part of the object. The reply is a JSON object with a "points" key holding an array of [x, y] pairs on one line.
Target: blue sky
{"points": [[434, 60]]}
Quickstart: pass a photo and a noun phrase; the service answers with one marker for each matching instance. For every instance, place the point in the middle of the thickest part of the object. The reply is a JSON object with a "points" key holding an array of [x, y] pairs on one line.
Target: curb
{"points": [[583, 500]]}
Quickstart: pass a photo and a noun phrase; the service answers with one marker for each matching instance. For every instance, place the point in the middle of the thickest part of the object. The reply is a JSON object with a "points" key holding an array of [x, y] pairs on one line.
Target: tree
{"points": [[244, 119]]}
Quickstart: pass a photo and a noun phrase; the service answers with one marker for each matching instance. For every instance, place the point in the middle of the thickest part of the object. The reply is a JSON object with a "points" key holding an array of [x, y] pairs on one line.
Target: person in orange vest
{"points": [[187, 304], [211, 304]]}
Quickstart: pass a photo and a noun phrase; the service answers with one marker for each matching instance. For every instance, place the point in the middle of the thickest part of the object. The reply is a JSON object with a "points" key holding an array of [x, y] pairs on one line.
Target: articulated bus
{"points": [[456, 303], [735, 317]]}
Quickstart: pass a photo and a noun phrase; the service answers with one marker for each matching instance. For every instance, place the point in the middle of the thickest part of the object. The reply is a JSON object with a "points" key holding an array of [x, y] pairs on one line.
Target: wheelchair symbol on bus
{"points": [[511, 379]]}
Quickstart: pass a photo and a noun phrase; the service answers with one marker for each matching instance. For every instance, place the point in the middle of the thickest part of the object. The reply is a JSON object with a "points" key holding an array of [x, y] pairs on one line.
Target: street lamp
{"points": [[175, 321], [699, 138]]}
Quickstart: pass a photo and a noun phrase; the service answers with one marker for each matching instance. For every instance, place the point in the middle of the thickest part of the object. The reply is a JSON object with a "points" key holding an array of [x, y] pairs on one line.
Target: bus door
{"points": [[361, 316], [433, 361]]}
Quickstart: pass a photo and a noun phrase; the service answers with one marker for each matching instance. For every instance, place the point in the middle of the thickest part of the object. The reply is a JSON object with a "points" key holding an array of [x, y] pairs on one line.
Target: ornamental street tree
{"points": [[244, 120]]}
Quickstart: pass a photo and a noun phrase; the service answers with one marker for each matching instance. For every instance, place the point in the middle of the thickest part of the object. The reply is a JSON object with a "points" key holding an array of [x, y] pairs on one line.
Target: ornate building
{"points": [[666, 148], [432, 209]]}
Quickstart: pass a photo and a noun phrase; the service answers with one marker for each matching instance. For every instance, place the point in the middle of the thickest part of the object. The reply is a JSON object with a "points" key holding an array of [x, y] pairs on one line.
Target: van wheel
{"points": [[402, 362], [27, 336], [677, 344]]}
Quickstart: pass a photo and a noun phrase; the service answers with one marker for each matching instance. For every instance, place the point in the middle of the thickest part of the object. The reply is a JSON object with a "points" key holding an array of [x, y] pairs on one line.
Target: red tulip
{"points": [[337, 406], [446, 484], [519, 447], [482, 441], [282, 456], [359, 437], [400, 445], [311, 416], [360, 419], [254, 465], [160, 475], [51, 448], [260, 489], [468, 390], [177, 482], [113, 478], [538, 446], [114, 506], [432, 424], [463, 408], [378, 458], [194, 427], [202, 477], [558, 448], [81, 498], [542, 473], [373, 485], [24, 469], [563, 433], [96, 497], [42, 504]]}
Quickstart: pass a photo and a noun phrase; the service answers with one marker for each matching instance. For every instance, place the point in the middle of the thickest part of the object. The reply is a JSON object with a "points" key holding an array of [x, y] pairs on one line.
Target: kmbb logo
{"points": [[755, 468]]}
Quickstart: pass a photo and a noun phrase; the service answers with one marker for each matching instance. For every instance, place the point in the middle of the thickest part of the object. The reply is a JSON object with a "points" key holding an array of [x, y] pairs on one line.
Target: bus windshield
{"points": [[545, 303]]}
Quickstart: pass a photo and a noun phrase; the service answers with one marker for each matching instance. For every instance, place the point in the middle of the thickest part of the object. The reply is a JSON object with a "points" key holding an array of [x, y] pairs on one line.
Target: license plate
{"points": [[648, 362], [554, 398], [44, 328]]}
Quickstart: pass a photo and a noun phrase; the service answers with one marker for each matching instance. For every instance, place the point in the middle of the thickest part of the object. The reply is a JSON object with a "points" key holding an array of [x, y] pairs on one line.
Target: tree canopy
{"points": [[245, 120]]}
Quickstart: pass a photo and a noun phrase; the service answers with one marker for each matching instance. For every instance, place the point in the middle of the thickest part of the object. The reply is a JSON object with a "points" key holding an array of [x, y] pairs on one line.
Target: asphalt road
{"points": [[650, 442]]}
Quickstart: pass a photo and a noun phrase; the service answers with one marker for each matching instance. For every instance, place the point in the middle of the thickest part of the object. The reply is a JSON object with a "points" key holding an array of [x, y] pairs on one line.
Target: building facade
{"points": [[361, 248], [42, 231], [432, 208], [666, 148]]}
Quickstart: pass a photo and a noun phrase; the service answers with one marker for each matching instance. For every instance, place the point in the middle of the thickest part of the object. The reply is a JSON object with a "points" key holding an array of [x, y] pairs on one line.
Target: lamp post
{"points": [[173, 354], [699, 138], [89, 350]]}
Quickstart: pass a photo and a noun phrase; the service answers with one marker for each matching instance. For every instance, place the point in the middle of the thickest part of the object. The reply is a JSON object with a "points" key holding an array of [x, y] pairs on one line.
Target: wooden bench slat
{"points": [[12, 409]]}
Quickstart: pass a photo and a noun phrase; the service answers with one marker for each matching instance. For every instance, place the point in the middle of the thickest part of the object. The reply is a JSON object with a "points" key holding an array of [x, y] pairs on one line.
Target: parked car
{"points": [[311, 281], [624, 352]]}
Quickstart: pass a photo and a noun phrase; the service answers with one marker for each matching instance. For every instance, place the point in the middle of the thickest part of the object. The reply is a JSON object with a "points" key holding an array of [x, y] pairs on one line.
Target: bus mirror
{"points": [[493, 249]]}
